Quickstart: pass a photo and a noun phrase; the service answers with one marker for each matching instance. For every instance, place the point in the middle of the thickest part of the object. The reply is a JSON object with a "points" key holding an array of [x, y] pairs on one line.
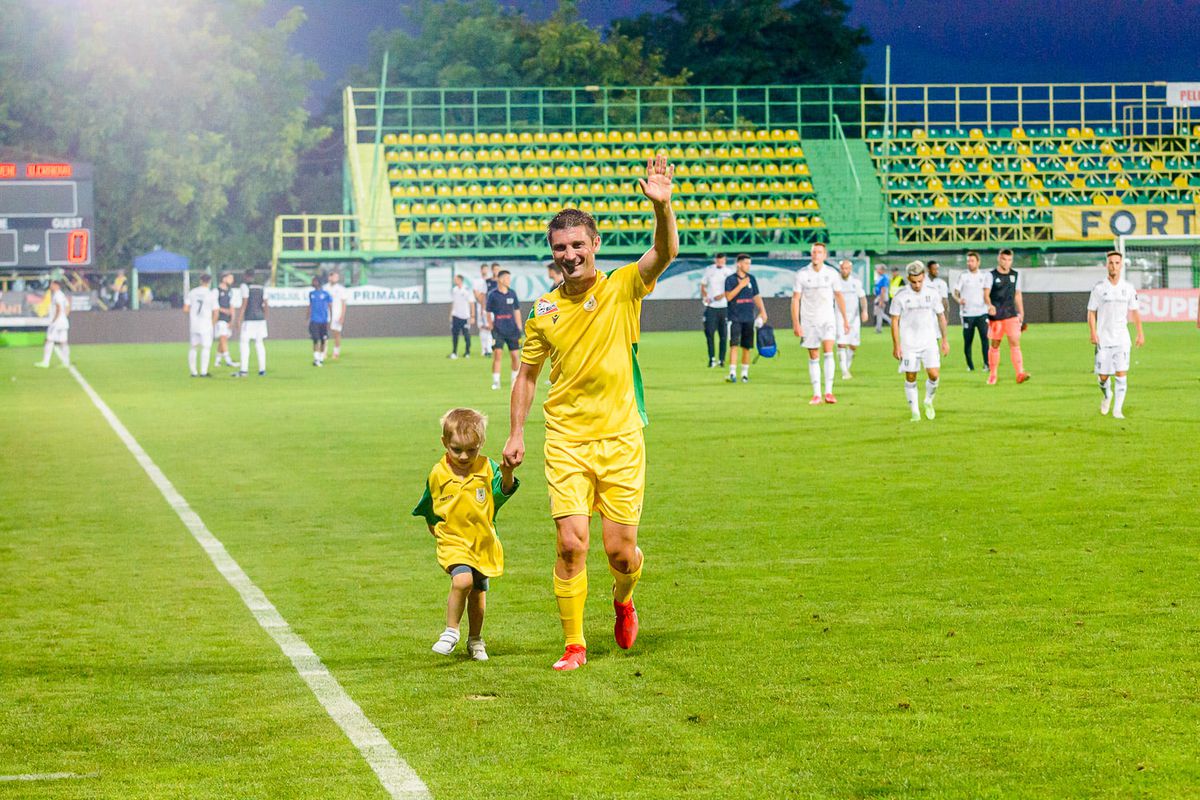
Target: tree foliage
{"points": [[192, 113], [740, 42], [479, 43]]}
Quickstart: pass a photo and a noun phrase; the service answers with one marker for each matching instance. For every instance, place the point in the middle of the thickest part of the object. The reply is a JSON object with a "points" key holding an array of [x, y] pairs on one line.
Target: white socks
{"points": [[745, 370], [1118, 394], [495, 379], [514, 376], [930, 390], [192, 360], [814, 375], [828, 373], [261, 349], [47, 353], [910, 394]]}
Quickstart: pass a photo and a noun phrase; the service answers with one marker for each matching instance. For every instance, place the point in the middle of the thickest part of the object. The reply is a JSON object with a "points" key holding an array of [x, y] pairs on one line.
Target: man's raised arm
{"points": [[656, 186]]}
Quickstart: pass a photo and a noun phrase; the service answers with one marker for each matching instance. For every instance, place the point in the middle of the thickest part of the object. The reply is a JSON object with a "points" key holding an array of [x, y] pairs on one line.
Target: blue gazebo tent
{"points": [[159, 262]]}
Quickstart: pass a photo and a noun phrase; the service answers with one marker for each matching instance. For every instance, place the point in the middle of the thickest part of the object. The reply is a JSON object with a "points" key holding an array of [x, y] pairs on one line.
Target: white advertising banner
{"points": [[1183, 95], [1169, 305], [369, 295]]}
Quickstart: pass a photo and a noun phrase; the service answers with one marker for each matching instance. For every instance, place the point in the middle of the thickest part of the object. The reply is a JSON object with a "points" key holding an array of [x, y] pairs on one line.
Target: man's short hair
{"points": [[248, 275], [895, 269], [915, 268], [1006, 252], [502, 273], [225, 275], [821, 245], [495, 265], [846, 261], [469, 424], [1112, 253], [205, 277], [572, 218], [718, 255], [742, 257], [482, 267], [932, 264], [974, 253]]}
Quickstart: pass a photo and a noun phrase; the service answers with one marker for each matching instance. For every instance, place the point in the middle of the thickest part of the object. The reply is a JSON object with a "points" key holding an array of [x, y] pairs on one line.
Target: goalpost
{"points": [[1163, 262]]}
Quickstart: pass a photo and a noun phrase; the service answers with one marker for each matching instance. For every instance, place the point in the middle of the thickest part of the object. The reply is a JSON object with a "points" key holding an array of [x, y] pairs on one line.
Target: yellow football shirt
{"points": [[462, 511], [591, 341]]}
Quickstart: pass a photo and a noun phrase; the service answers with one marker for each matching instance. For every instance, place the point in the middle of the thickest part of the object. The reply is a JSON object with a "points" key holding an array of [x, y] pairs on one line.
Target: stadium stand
{"points": [[456, 190], [983, 185]]}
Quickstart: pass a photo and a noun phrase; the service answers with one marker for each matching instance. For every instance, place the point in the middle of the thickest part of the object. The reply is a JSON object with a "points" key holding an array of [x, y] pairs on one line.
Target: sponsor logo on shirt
{"points": [[480, 495], [590, 305], [545, 307]]}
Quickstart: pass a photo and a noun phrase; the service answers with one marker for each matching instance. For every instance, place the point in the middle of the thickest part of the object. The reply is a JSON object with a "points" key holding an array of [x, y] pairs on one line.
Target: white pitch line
{"points": [[48, 776], [397, 777]]}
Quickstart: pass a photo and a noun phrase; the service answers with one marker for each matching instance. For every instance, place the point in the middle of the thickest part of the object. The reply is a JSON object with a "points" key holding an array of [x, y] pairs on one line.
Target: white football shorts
{"points": [[1111, 360], [916, 360], [815, 333]]}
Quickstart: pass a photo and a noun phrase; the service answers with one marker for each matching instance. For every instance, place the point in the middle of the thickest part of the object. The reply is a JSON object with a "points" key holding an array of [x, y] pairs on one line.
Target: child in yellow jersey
{"points": [[462, 495]]}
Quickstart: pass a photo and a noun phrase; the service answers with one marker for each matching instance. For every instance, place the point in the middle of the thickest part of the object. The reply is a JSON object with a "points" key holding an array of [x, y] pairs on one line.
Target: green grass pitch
{"points": [[836, 603]]}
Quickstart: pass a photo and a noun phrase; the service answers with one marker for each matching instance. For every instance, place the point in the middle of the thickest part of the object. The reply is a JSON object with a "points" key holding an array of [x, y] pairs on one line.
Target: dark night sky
{"points": [[933, 41]]}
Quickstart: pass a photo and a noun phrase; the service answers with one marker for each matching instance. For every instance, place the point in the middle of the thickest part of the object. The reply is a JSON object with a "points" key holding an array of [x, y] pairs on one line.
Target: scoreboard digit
{"points": [[46, 214]]}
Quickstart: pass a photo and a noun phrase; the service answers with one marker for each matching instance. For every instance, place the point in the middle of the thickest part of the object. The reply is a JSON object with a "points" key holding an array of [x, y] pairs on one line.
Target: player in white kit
{"points": [[918, 317], [200, 305], [815, 293], [337, 312], [1112, 303], [939, 285], [855, 299], [480, 287], [59, 327]]}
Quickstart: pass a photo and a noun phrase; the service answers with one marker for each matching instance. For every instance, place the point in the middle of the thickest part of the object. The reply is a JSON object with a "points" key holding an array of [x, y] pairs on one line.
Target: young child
{"points": [[462, 495]]}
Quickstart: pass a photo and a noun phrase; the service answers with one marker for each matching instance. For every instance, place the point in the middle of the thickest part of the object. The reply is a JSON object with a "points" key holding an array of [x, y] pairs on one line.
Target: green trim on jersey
{"points": [[499, 498], [425, 508], [639, 391]]}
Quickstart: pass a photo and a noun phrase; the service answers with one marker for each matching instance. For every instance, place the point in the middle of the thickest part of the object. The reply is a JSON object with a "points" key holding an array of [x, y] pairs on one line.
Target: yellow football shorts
{"points": [[605, 475]]}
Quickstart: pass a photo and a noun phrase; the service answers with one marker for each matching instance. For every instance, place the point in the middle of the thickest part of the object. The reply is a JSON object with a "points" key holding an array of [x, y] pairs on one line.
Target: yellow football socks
{"points": [[571, 594], [623, 582]]}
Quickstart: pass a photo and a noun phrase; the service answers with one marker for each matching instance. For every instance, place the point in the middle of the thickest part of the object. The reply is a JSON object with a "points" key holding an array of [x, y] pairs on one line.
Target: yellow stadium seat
{"points": [[1035, 184], [720, 135], [392, 156], [1078, 183], [413, 191], [1072, 133], [939, 150], [422, 227], [923, 150], [1066, 149], [791, 134], [389, 138], [1157, 165], [496, 138], [737, 204], [485, 225], [404, 138], [450, 138], [555, 137], [1099, 199], [941, 201], [494, 207], [1179, 182], [397, 191], [500, 225], [570, 137], [1123, 183], [453, 226], [525, 137], [763, 135], [420, 138], [421, 156], [1028, 166], [660, 136], [753, 205], [479, 207], [444, 191], [469, 226], [404, 228], [976, 133], [1024, 149], [802, 169], [466, 138], [689, 136], [435, 138]]}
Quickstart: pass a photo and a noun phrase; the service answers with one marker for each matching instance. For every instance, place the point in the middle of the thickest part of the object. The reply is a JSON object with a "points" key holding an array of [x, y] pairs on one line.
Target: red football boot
{"points": [[829, 398], [574, 658], [625, 629], [1024, 376]]}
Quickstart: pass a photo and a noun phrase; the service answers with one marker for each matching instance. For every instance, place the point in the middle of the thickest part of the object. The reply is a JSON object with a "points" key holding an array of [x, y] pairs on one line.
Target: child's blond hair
{"points": [[467, 423]]}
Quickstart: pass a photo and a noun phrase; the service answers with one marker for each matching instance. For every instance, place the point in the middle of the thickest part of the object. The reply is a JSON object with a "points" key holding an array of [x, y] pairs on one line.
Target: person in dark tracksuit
{"points": [[968, 292], [712, 293]]}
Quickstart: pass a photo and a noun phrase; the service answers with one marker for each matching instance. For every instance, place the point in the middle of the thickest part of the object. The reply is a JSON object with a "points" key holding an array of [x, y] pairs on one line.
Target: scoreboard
{"points": [[46, 215]]}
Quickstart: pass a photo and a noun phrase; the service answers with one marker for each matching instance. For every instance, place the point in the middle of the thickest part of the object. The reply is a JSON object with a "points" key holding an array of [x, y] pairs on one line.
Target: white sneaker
{"points": [[446, 642], [929, 412], [1118, 415], [476, 650], [41, 364], [916, 415], [453, 356], [846, 376], [1105, 405]]}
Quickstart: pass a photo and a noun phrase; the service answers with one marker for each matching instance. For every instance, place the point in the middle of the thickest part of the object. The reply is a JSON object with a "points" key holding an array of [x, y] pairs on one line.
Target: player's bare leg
{"points": [[625, 563], [570, 587], [993, 360], [476, 606]]}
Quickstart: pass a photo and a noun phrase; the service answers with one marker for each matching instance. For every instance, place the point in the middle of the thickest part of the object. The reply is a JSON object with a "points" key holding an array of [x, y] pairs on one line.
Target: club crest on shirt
{"points": [[590, 305], [544, 307], [480, 495]]}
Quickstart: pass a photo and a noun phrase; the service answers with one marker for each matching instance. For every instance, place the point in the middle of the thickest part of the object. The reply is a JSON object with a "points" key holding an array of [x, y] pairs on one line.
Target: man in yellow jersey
{"points": [[589, 328]]}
